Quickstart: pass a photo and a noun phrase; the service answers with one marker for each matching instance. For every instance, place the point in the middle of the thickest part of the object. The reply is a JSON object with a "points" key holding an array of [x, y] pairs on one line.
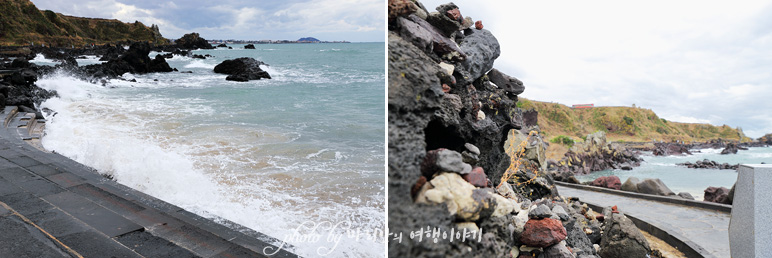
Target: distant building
{"points": [[578, 106]]}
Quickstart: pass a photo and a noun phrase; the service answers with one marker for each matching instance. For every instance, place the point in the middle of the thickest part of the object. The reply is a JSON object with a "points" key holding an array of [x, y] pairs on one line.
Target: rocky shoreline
{"points": [[464, 158], [18, 75]]}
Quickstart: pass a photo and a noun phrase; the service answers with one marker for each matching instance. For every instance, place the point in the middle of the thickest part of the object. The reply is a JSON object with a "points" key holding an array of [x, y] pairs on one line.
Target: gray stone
{"points": [[577, 238], [481, 49], [686, 195], [621, 238], [558, 250], [415, 34], [471, 148], [560, 212], [654, 186], [508, 83], [452, 161], [446, 25], [470, 158], [631, 184], [750, 233], [541, 211], [441, 44]]}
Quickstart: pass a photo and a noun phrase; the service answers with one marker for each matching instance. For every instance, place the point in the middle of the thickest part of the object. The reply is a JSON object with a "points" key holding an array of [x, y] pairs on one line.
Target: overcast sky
{"points": [[351, 20], [689, 61]]}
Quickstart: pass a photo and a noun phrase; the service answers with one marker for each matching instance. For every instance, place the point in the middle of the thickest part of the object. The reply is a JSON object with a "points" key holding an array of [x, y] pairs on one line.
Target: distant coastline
{"points": [[217, 41]]}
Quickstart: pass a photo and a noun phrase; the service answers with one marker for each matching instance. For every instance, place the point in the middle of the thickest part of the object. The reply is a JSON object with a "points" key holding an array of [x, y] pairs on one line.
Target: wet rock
{"points": [[667, 149], [192, 41], [686, 195], [621, 238], [481, 49], [716, 194], [510, 84], [242, 69], [611, 182], [708, 164], [654, 186], [542, 232], [222, 45], [595, 154], [477, 178], [631, 184], [249, 46], [731, 148]]}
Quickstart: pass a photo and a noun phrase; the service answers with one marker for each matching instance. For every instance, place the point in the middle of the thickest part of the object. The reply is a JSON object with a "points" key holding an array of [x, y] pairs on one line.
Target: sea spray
{"points": [[272, 155]]}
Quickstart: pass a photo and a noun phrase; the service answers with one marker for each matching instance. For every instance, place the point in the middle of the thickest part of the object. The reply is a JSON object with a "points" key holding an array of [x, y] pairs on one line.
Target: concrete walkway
{"points": [[51, 206], [706, 228]]}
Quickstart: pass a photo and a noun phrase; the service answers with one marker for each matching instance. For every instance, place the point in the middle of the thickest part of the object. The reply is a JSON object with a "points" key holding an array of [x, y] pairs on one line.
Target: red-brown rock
{"points": [[417, 187], [543, 232], [454, 14], [477, 177], [445, 88], [716, 194], [478, 25], [611, 182]]}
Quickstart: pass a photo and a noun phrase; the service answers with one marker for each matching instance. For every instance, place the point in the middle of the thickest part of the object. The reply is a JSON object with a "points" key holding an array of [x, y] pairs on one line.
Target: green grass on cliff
{"points": [[21, 23], [628, 124]]}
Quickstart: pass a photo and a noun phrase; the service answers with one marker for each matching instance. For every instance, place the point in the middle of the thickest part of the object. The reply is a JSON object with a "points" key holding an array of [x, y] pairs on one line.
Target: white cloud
{"points": [[693, 61], [354, 20]]}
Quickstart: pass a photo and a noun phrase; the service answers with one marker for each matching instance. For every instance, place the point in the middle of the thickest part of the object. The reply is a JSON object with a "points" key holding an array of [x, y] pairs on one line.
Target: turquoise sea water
{"points": [[693, 181], [303, 148]]}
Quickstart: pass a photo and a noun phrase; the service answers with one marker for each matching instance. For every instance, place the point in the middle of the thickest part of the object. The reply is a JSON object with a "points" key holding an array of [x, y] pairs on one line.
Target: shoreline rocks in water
{"points": [[595, 154], [242, 69], [708, 164]]}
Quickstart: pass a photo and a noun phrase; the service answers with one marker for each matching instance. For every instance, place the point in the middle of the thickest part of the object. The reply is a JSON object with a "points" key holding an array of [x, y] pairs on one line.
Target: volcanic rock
{"points": [[611, 182], [654, 186], [622, 238], [543, 232], [192, 41], [242, 69]]}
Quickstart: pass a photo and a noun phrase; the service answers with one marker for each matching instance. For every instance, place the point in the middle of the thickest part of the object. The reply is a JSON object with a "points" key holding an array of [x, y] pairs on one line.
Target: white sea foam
{"points": [[88, 60], [42, 60], [242, 172], [198, 63]]}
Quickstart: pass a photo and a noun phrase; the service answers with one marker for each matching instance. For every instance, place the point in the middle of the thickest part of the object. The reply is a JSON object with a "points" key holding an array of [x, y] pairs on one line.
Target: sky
{"points": [[327, 20], [688, 61]]}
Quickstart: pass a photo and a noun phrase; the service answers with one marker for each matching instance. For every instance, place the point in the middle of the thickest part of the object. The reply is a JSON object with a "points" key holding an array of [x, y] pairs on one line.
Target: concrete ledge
{"points": [[658, 198], [677, 241], [68, 197]]}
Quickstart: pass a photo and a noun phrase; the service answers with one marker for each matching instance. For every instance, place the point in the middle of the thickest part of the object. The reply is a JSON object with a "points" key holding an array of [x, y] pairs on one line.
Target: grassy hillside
{"points": [[623, 124], [22, 23]]}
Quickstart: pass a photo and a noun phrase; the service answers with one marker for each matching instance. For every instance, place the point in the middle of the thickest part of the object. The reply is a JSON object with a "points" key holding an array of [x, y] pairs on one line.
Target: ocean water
{"points": [[300, 153], [683, 179]]}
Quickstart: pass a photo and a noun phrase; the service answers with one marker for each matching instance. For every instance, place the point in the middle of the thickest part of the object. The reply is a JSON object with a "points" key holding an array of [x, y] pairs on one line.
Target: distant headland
{"points": [[267, 41]]}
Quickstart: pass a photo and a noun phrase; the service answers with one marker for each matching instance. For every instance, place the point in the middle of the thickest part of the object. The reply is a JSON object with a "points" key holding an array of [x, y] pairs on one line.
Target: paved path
{"points": [[706, 228], [51, 206]]}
